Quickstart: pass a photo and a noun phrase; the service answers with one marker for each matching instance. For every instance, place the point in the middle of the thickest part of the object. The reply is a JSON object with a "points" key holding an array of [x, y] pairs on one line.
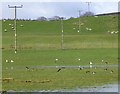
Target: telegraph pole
{"points": [[79, 13], [88, 6], [15, 24], [62, 34]]}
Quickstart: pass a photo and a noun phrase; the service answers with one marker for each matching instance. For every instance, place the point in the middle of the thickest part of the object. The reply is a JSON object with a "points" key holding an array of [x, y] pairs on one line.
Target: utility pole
{"points": [[15, 24], [79, 13], [62, 34], [88, 6]]}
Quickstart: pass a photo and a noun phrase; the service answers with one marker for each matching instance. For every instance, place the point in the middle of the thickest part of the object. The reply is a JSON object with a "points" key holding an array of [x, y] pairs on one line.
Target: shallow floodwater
{"points": [[105, 88]]}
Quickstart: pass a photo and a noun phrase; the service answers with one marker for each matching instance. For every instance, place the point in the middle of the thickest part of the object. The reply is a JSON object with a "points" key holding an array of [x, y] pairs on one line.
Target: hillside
{"points": [[100, 24], [41, 64], [48, 34]]}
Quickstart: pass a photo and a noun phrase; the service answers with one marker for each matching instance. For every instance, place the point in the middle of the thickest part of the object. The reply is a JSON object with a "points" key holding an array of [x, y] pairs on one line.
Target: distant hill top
{"points": [[113, 13]]}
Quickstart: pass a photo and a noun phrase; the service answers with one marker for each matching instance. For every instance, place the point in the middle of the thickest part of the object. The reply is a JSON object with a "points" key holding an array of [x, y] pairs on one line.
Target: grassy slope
{"points": [[39, 44], [48, 34]]}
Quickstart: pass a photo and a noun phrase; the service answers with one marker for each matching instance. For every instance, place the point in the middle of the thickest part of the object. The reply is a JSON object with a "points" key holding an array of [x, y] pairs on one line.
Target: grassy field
{"points": [[39, 44]]}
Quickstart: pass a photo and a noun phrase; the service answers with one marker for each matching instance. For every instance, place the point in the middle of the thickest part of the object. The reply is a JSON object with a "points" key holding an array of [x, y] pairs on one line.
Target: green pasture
{"points": [[39, 44]]}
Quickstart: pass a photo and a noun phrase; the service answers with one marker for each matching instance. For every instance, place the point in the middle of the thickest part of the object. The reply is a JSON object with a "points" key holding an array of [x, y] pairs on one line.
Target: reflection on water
{"points": [[105, 88]]}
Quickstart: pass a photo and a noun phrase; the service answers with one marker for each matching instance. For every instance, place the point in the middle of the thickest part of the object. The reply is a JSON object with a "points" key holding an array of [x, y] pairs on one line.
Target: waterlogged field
{"points": [[37, 64]]}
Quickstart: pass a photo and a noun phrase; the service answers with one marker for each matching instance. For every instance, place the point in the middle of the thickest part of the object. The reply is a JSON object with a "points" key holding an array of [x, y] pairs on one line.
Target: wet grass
{"points": [[66, 78], [39, 45]]}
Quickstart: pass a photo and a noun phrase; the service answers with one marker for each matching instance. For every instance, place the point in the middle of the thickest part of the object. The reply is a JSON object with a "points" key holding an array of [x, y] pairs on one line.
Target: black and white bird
{"points": [[80, 68], [106, 69], [111, 71], [93, 72], [106, 62], [27, 68], [59, 70]]}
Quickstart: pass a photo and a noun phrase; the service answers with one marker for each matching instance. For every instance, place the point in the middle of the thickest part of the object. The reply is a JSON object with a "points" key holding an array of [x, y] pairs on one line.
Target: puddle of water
{"points": [[105, 88]]}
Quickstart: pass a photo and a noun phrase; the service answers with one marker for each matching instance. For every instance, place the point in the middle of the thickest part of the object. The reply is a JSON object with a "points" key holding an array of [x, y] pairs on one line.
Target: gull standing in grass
{"points": [[56, 60], [91, 64], [6, 61], [5, 30], [21, 25], [9, 24], [4, 20], [11, 61]]}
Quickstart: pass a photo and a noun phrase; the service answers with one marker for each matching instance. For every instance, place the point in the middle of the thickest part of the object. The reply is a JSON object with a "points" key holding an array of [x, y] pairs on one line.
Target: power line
{"points": [[15, 24]]}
